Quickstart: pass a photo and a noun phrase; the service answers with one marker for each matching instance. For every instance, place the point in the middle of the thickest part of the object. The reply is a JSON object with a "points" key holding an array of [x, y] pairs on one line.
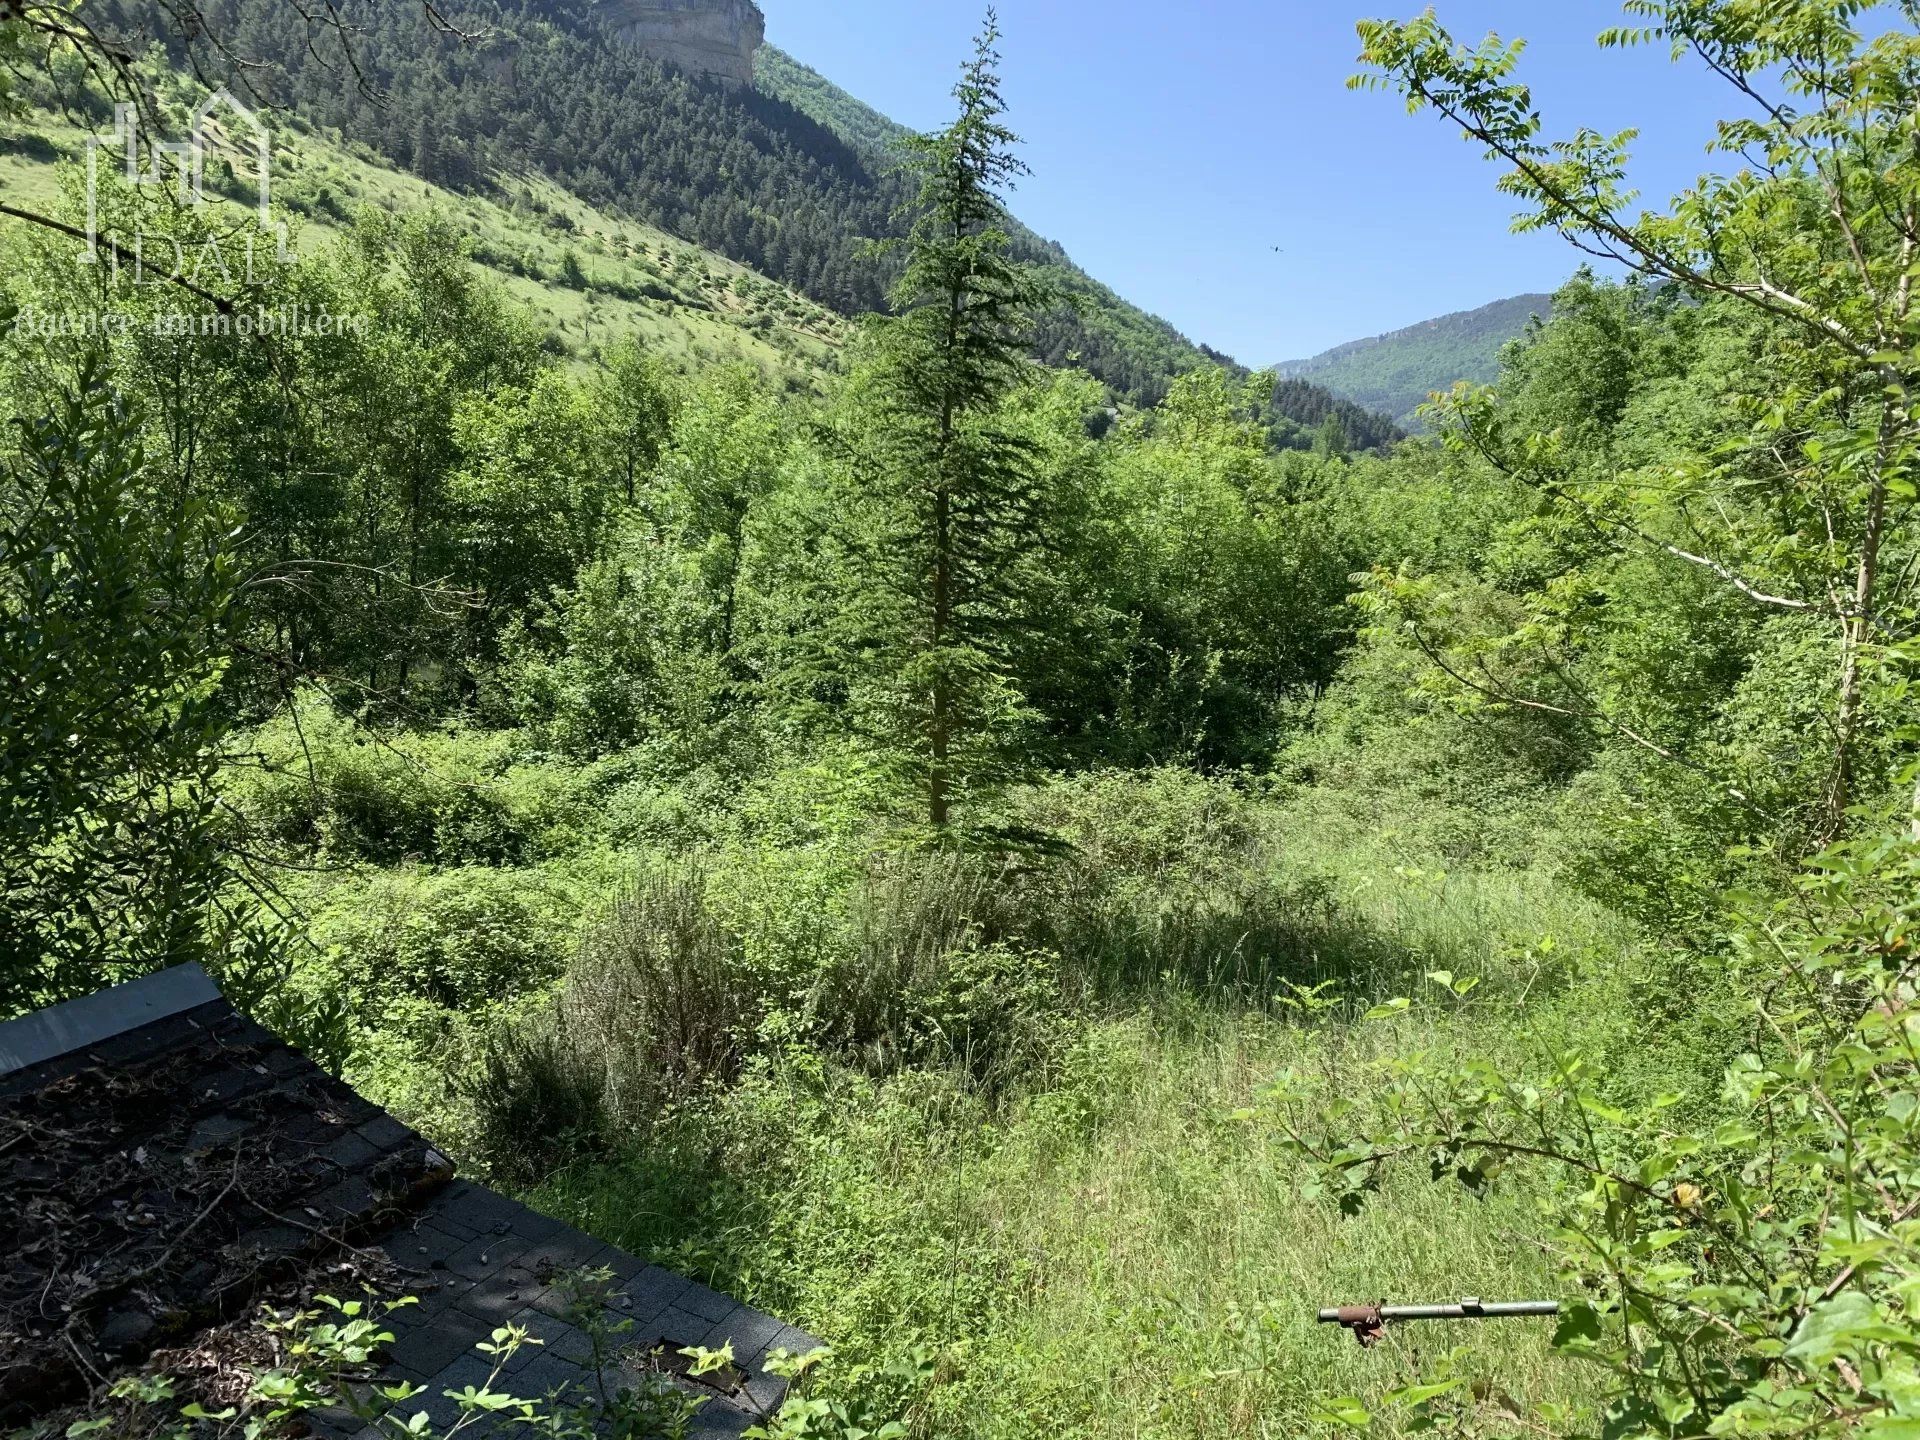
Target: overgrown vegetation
{"points": [[1039, 894]]}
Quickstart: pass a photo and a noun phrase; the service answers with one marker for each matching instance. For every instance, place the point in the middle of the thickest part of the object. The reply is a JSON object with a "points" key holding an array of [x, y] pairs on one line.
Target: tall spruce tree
{"points": [[956, 492]]}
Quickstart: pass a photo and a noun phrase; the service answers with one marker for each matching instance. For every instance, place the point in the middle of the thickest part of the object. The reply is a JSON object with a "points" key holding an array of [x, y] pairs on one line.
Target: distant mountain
{"points": [[1395, 373], [792, 178], [1131, 350]]}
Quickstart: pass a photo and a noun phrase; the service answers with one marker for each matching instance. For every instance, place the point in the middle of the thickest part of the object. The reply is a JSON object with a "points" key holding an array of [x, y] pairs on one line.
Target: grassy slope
{"points": [[1395, 373], [687, 304]]}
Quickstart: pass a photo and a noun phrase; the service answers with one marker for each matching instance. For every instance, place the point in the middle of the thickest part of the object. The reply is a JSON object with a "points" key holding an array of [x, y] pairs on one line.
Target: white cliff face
{"points": [[704, 37]]}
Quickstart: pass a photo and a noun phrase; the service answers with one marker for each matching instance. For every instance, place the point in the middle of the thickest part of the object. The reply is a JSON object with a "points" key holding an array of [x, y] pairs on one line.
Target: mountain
{"points": [[793, 178], [780, 76], [1395, 373], [1299, 409]]}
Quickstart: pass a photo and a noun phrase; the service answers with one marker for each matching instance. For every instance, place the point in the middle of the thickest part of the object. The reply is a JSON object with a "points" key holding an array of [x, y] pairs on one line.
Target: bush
{"points": [[459, 938], [932, 970], [655, 1007], [330, 785]]}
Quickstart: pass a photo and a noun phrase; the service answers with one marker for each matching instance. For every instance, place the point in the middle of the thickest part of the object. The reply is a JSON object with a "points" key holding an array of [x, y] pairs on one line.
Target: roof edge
{"points": [[77, 1024]]}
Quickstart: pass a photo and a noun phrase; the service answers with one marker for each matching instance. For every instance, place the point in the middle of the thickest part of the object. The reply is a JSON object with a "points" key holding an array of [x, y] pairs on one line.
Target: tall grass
{"points": [[1006, 1113], [1114, 1254], [1096, 1232]]}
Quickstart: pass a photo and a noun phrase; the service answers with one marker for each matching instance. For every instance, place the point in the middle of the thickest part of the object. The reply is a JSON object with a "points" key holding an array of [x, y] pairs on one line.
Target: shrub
{"points": [[655, 1007], [326, 783], [932, 970], [459, 938]]}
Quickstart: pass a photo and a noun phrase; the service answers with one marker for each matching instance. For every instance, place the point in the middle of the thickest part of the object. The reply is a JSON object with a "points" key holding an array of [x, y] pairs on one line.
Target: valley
{"points": [[771, 717]]}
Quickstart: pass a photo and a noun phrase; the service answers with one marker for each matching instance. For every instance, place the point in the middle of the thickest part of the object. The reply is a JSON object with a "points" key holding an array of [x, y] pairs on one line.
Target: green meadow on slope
{"points": [[588, 278], [1042, 874]]}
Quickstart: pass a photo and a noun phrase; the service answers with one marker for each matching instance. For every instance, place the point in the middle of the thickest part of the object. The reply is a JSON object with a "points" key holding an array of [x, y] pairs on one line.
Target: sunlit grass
{"points": [[1121, 1249], [534, 223]]}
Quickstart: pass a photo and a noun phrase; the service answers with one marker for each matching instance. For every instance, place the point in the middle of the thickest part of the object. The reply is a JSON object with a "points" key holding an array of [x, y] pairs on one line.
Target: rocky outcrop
{"points": [[703, 37]]}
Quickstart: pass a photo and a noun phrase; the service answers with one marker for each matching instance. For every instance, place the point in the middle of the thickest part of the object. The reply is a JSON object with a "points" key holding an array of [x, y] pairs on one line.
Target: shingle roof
{"points": [[165, 1158]]}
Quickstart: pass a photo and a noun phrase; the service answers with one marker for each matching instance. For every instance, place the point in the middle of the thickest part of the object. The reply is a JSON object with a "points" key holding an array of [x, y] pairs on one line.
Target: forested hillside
{"points": [[1396, 373], [751, 177], [1041, 894]]}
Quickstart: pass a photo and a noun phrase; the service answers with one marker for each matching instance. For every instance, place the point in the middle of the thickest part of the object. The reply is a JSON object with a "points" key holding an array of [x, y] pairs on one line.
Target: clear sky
{"points": [[1175, 143]]}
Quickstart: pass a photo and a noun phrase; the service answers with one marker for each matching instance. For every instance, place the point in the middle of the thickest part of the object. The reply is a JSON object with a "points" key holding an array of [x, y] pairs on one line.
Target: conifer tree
{"points": [[954, 491]]}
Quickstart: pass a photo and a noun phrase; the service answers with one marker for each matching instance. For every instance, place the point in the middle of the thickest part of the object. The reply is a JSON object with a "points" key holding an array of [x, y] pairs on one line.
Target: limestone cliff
{"points": [[704, 37]]}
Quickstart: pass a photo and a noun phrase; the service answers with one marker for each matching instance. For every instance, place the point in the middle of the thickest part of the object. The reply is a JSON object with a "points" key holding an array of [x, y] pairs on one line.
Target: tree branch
{"points": [[220, 303]]}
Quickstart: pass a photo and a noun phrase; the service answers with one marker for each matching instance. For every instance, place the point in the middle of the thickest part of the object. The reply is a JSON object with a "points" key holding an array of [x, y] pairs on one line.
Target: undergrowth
{"points": [[1006, 1113]]}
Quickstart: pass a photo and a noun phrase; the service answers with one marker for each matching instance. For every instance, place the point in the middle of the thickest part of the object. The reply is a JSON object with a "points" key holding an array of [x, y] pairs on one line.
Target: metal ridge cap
{"points": [[76, 1024]]}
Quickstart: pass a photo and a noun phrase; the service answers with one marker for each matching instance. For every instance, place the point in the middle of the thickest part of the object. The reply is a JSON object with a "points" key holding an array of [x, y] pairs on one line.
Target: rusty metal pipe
{"points": [[1369, 1322], [1460, 1310]]}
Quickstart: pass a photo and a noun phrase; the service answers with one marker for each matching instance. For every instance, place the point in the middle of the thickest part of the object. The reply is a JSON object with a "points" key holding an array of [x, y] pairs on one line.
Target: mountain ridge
{"points": [[796, 188], [1394, 373]]}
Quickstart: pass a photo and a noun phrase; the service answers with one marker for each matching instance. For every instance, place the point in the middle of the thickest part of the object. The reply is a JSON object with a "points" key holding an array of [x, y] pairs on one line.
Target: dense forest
{"points": [[1043, 893]]}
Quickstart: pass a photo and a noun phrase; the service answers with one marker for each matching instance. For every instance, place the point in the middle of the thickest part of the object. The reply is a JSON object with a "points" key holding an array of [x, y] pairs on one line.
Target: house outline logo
{"points": [[187, 159]]}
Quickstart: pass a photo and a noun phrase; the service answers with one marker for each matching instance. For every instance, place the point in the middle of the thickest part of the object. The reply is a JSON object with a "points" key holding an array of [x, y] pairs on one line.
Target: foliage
{"points": [[1754, 1276], [322, 1360], [591, 716], [118, 609], [1804, 507]]}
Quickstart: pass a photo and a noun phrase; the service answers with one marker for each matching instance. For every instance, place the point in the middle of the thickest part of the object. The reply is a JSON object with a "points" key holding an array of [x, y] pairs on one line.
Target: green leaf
{"points": [[1346, 1411], [1579, 1325], [1829, 1327], [705, 1361], [1420, 1394]]}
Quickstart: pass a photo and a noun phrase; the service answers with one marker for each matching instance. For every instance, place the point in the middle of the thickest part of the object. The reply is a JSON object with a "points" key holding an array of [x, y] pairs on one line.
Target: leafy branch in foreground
{"points": [[1815, 237], [1756, 1273], [117, 605]]}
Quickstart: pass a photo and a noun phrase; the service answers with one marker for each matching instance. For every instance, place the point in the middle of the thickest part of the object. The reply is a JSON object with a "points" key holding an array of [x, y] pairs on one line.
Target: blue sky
{"points": [[1174, 144]]}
